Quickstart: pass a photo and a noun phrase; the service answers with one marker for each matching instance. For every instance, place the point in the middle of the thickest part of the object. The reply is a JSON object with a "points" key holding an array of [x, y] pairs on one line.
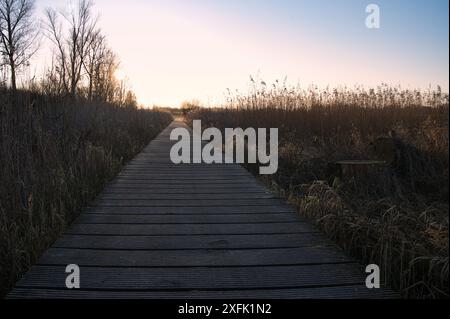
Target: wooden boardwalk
{"points": [[161, 230]]}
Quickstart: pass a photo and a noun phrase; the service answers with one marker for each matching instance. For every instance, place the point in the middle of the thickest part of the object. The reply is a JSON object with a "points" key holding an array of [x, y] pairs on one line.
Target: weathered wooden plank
{"points": [[185, 183], [333, 292], [148, 163], [185, 202], [191, 241], [161, 168], [184, 218], [190, 177], [205, 169], [191, 210], [181, 176], [193, 278], [182, 168], [136, 196], [193, 258], [189, 229], [202, 189], [193, 179], [205, 191]]}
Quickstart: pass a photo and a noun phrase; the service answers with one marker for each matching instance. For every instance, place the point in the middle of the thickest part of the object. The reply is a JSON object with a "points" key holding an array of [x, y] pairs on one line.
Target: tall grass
{"points": [[398, 220], [56, 155]]}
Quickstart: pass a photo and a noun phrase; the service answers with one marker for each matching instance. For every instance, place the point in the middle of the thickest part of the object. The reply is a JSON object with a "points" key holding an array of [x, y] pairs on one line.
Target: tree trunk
{"points": [[91, 84], [73, 88], [73, 76], [13, 75]]}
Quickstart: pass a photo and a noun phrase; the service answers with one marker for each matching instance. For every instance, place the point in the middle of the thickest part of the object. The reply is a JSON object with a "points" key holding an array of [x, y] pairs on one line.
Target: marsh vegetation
{"points": [[396, 218]]}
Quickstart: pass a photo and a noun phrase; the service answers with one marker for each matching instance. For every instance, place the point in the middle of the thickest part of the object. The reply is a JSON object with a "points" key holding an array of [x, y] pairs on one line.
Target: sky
{"points": [[177, 50]]}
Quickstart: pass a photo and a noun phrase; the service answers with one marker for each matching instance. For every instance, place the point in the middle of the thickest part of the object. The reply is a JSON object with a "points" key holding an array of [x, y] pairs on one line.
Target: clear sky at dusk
{"points": [[175, 50]]}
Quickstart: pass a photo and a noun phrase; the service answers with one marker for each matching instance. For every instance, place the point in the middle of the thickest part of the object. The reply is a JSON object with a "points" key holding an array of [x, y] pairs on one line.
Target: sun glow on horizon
{"points": [[120, 74]]}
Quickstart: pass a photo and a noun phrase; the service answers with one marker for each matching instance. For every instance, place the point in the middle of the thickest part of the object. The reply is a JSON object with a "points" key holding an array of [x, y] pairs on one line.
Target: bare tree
{"points": [[106, 83], [130, 100], [94, 61], [71, 37], [18, 34], [83, 63], [105, 86]]}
